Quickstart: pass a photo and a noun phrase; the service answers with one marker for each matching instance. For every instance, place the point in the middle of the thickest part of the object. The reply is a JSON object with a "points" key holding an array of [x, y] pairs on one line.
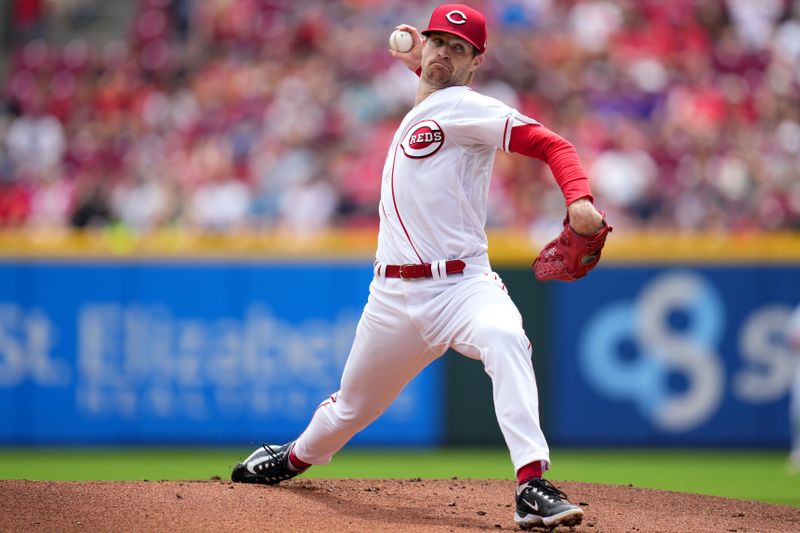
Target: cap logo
{"points": [[456, 17]]}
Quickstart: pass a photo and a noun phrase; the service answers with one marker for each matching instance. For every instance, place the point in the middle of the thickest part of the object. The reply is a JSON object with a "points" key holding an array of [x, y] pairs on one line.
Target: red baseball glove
{"points": [[570, 255]]}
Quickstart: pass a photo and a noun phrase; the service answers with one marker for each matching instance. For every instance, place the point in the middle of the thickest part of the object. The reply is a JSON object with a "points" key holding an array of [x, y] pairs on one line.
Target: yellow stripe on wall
{"points": [[505, 248], [668, 247]]}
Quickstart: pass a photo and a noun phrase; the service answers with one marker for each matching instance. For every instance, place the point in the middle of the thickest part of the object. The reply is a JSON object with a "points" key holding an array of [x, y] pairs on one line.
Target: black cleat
{"points": [[540, 504], [268, 465]]}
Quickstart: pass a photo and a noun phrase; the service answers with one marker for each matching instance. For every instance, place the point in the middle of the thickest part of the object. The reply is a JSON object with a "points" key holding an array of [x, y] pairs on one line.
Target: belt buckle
{"points": [[402, 267]]}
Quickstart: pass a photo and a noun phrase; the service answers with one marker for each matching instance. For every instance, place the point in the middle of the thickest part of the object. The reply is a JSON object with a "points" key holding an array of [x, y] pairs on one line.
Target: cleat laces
{"points": [[267, 448], [547, 489]]}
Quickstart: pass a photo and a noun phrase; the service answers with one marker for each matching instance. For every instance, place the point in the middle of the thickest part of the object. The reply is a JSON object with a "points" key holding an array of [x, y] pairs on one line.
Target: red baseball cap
{"points": [[460, 20]]}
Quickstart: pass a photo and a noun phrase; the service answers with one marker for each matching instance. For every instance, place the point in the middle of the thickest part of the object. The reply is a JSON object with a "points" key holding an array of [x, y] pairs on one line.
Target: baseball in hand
{"points": [[401, 41]]}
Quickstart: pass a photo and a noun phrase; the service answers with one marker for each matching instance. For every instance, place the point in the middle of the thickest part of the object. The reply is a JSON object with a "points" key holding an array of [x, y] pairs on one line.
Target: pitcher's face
{"points": [[448, 60]]}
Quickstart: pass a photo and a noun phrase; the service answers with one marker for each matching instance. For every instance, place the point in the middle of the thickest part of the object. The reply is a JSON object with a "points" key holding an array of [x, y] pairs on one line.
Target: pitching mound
{"points": [[361, 505]]}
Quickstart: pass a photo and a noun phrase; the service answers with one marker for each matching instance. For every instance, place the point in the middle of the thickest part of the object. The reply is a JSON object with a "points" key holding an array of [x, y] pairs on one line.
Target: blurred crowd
{"points": [[229, 114]]}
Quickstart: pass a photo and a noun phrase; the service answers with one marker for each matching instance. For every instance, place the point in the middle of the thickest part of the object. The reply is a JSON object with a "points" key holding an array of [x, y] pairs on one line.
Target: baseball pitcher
{"points": [[433, 287]]}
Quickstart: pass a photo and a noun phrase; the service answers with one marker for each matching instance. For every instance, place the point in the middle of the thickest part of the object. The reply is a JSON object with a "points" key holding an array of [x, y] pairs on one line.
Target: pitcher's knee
{"points": [[505, 337], [357, 415]]}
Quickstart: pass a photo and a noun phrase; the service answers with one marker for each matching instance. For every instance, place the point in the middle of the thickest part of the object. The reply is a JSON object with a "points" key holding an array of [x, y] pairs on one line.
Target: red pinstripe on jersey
{"points": [[397, 211]]}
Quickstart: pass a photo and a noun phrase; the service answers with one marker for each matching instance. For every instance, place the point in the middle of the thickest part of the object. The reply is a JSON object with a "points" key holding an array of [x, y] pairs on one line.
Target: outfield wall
{"points": [[109, 338]]}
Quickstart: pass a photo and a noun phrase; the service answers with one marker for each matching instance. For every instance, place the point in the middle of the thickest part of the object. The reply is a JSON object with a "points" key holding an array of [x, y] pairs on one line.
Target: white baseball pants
{"points": [[408, 324]]}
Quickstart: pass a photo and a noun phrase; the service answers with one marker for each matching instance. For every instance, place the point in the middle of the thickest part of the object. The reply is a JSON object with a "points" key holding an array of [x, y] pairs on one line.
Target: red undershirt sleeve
{"points": [[534, 140]]}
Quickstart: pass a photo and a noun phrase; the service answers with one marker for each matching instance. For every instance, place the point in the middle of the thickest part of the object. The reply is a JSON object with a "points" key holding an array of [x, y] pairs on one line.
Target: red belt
{"points": [[422, 270]]}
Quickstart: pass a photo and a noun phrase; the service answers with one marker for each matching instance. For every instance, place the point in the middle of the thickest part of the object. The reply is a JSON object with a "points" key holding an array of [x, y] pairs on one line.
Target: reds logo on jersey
{"points": [[423, 139]]}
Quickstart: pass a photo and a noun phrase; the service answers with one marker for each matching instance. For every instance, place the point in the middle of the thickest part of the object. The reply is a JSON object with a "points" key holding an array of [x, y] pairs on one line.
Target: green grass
{"points": [[748, 475]]}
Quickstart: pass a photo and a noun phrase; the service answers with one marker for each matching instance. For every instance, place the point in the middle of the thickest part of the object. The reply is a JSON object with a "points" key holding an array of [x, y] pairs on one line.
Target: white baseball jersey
{"points": [[433, 208], [435, 182]]}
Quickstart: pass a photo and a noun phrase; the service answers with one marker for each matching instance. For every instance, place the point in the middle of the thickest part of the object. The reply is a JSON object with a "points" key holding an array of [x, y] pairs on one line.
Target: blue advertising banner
{"points": [[688, 356], [186, 353]]}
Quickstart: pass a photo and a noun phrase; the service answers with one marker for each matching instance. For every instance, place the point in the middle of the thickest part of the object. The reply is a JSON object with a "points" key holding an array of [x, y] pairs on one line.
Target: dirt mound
{"points": [[361, 505]]}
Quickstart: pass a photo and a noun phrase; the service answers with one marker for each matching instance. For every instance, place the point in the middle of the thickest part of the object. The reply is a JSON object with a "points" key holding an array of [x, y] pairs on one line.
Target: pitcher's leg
{"points": [[490, 329], [387, 353]]}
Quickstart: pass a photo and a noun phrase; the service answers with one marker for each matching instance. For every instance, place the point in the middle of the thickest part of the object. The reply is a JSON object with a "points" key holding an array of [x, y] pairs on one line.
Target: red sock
{"points": [[297, 463], [529, 471]]}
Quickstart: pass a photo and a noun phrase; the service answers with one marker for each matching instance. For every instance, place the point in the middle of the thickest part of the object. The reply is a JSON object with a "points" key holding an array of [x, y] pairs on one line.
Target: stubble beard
{"points": [[440, 78]]}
